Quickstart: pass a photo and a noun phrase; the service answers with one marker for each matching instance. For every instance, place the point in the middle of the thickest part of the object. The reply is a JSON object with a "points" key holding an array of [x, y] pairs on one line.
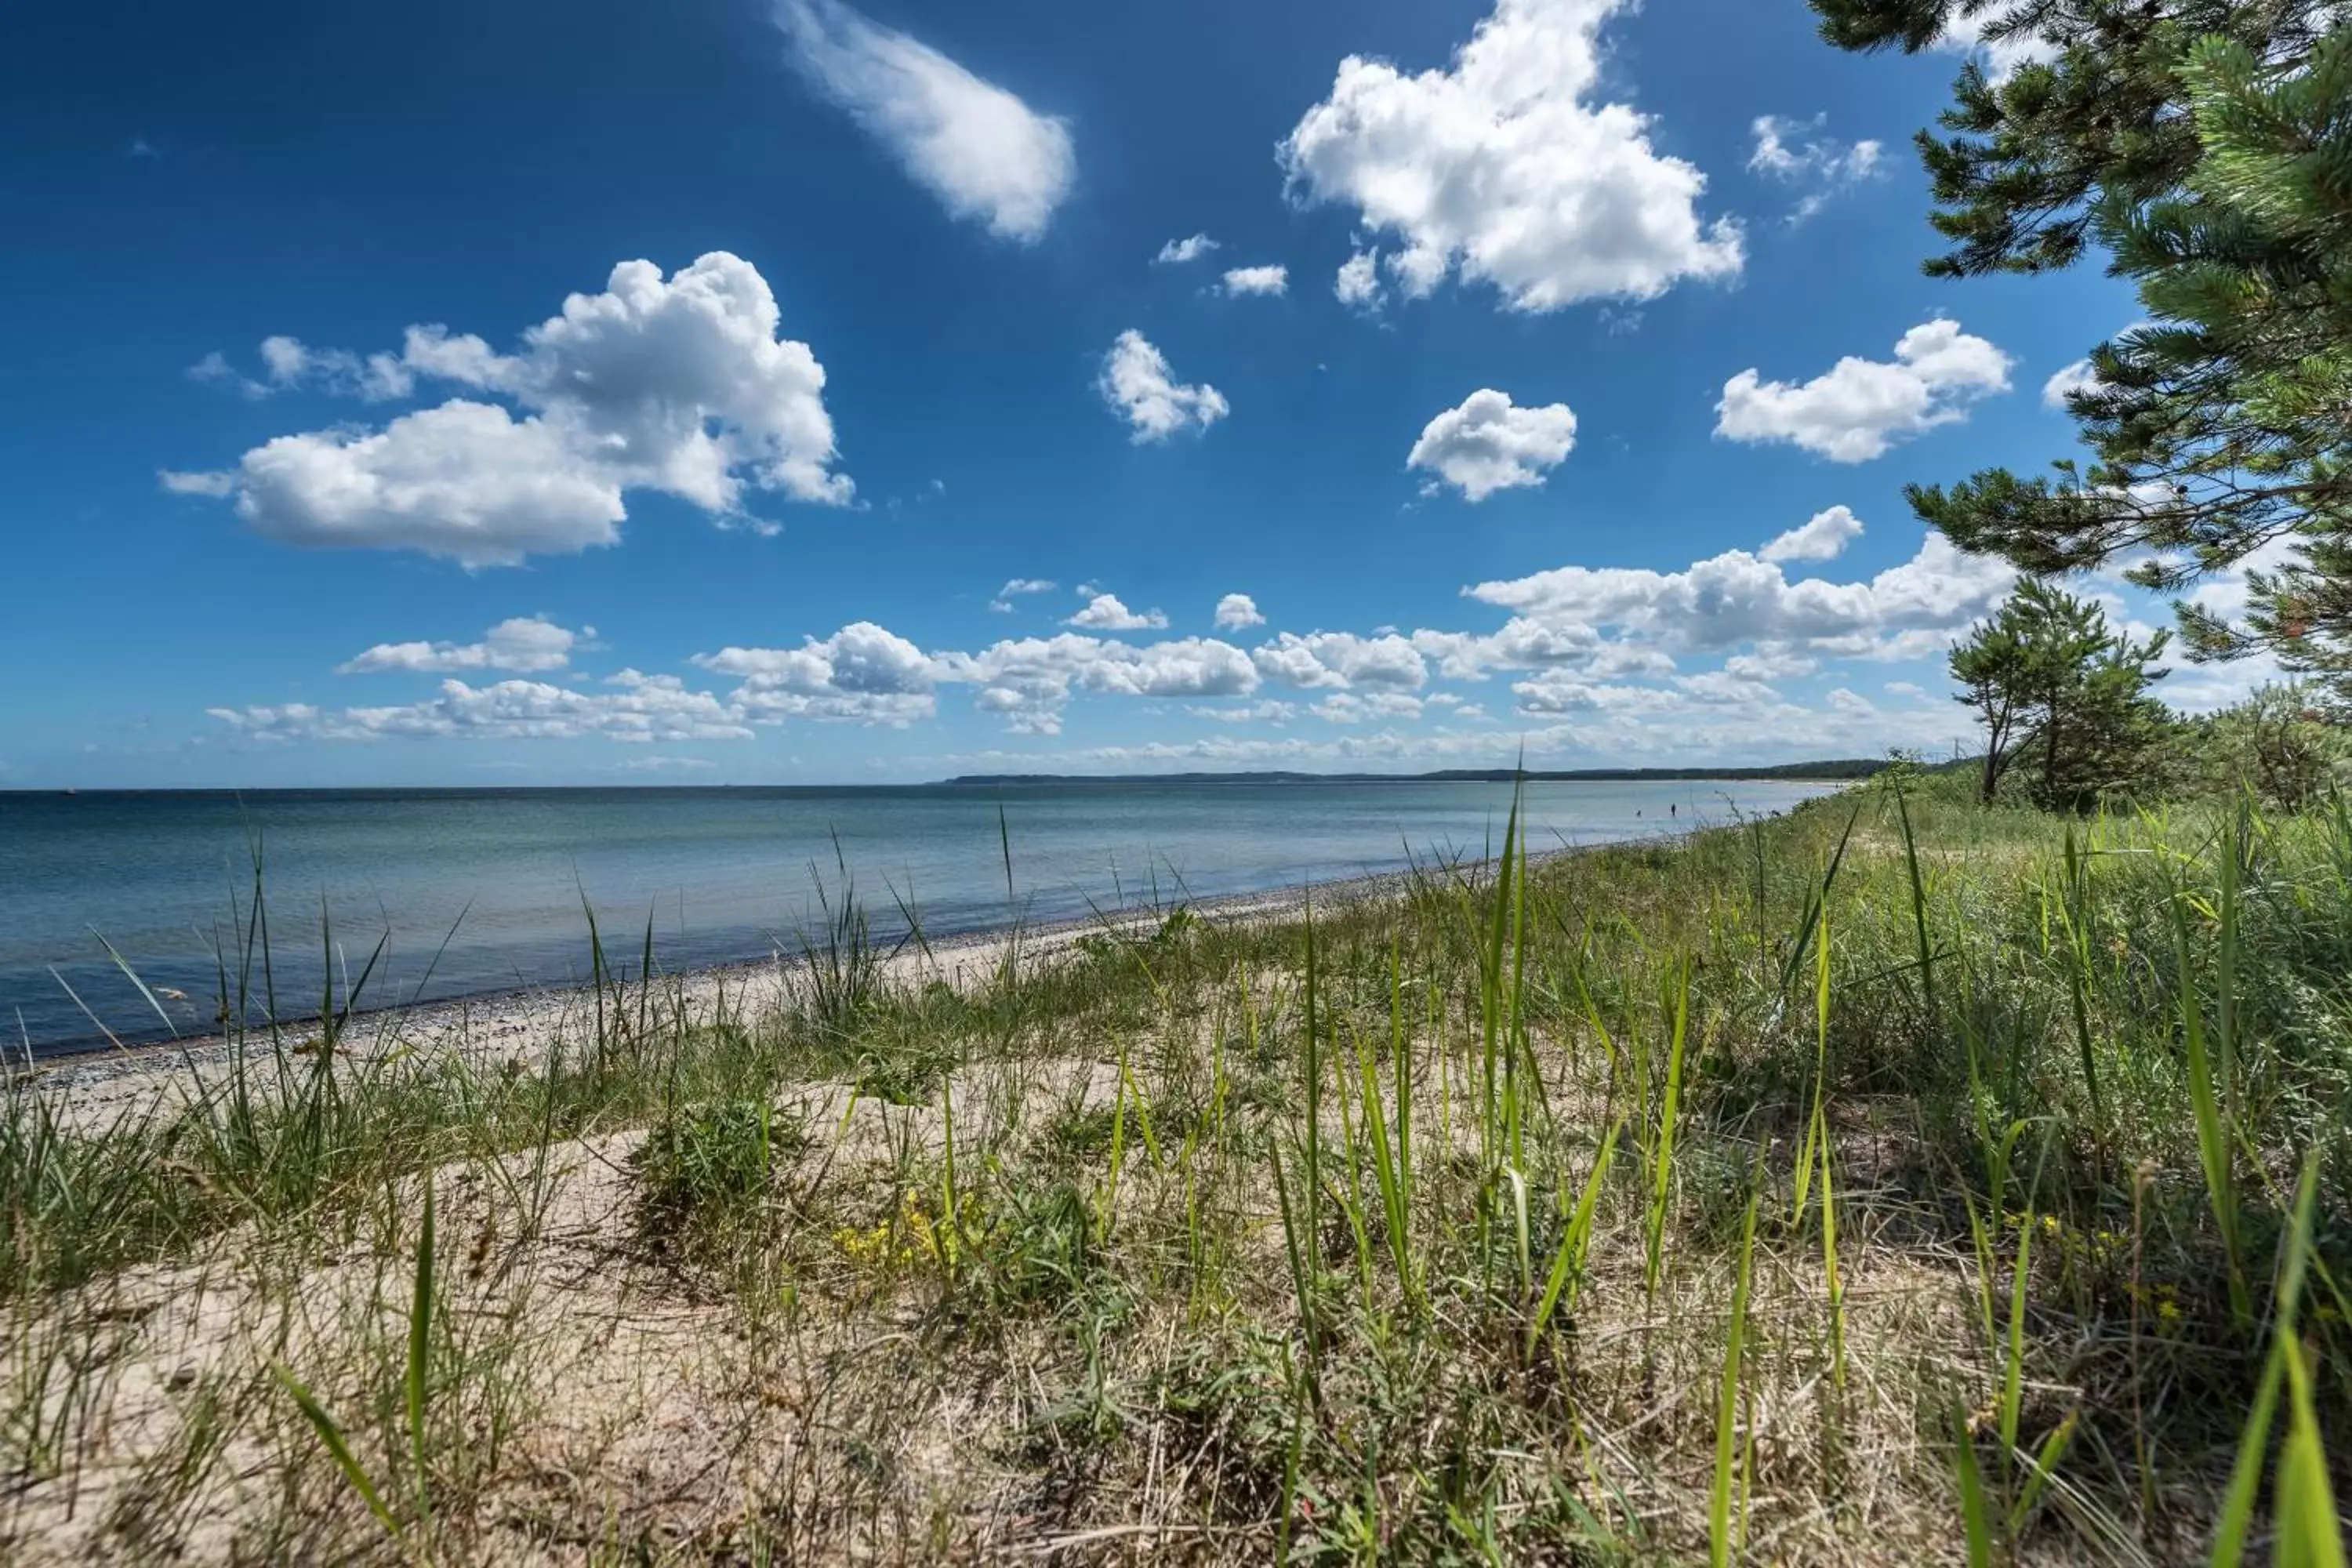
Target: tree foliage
{"points": [[2056, 686], [2278, 744], [2206, 145]]}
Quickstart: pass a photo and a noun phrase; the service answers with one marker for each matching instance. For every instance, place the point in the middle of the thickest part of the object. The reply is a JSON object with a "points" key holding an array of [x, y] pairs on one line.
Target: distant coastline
{"points": [[1830, 770], [1835, 770]]}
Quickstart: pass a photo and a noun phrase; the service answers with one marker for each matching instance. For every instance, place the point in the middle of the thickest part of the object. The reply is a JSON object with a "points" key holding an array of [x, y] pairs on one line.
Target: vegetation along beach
{"points": [[1895, 1179]]}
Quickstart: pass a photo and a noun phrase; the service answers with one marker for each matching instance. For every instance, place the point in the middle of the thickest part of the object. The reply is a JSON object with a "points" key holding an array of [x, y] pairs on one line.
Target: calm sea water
{"points": [[499, 876]]}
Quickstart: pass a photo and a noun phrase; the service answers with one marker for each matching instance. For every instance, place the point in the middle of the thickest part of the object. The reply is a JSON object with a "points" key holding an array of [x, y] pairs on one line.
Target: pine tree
{"points": [[2207, 146], [2097, 112], [2055, 684], [1990, 668]]}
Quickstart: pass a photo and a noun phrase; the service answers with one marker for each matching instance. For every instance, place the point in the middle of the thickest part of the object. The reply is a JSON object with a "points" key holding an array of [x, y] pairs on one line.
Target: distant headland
{"points": [[1832, 770]]}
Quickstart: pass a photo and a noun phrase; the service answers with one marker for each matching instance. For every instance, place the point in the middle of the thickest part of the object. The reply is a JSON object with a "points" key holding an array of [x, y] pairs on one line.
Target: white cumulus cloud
{"points": [[1027, 682], [2003, 56], [1797, 154], [1359, 281], [466, 481], [1017, 586], [1858, 409], [1176, 252], [288, 363], [1506, 168], [1351, 708], [1103, 612], [644, 708], [213, 482], [1821, 537], [977, 147], [863, 673], [1487, 444], [1237, 612], [1340, 660], [1268, 279], [526, 645], [1140, 388], [2068, 380], [1906, 611], [679, 385], [1266, 711]]}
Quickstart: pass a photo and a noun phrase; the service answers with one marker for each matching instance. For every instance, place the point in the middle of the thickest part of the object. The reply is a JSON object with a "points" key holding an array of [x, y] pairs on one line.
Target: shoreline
{"points": [[1763, 773], [524, 1022]]}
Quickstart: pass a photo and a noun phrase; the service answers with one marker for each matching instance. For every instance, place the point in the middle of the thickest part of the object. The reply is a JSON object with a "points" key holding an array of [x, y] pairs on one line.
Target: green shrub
{"points": [[702, 1167], [2280, 743]]}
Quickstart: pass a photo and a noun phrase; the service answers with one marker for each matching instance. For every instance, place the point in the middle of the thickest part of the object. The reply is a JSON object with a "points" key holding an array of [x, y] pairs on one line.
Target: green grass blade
{"points": [[2042, 1467], [420, 1346], [2213, 1136], [1662, 1157], [2012, 1375], [2305, 1525], [1976, 1508], [1918, 900], [1567, 1261], [2253, 1444], [1726, 1408], [331, 1438]]}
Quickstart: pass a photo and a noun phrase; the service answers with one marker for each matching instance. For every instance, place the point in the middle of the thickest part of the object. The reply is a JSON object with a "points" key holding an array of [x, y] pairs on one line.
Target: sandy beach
{"points": [[524, 1026]]}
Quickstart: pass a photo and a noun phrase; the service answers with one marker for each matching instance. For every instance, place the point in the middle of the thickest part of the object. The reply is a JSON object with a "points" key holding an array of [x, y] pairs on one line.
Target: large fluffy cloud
{"points": [[1342, 659], [1737, 597], [1140, 388], [680, 385], [1858, 409], [1503, 169], [863, 672], [467, 480], [1487, 444], [1237, 612], [983, 152], [1027, 681], [526, 645]]}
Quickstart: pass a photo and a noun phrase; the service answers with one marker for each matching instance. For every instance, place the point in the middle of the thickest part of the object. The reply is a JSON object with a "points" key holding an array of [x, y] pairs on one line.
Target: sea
{"points": [[429, 895]]}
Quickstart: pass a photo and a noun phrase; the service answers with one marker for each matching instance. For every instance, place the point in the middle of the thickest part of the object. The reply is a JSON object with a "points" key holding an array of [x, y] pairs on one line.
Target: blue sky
{"points": [[534, 394]]}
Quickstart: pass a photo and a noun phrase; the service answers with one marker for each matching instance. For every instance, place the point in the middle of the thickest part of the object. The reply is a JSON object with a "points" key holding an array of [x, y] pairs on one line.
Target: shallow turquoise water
{"points": [[500, 876]]}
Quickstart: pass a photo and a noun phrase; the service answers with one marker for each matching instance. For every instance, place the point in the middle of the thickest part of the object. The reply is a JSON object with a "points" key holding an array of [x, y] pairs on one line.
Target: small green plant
{"points": [[703, 1167], [1568, 1263], [841, 973]]}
